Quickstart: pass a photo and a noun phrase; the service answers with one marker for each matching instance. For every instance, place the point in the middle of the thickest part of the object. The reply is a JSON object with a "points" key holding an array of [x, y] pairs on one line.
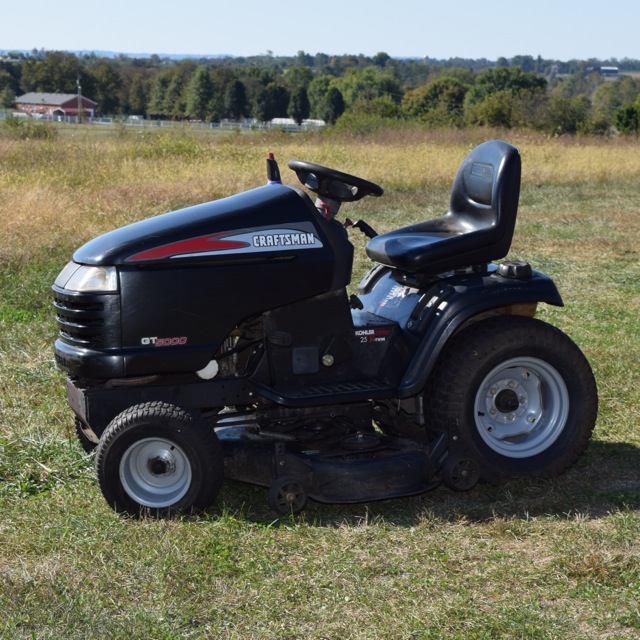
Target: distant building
{"points": [[288, 122], [609, 71], [56, 104]]}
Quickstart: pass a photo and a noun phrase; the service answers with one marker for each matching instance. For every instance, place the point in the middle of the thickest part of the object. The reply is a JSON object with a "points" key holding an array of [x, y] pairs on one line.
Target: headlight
{"points": [[75, 277]]}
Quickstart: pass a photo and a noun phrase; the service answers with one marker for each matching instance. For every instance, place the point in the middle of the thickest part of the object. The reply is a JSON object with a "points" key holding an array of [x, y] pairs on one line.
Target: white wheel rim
{"points": [[155, 472], [521, 407]]}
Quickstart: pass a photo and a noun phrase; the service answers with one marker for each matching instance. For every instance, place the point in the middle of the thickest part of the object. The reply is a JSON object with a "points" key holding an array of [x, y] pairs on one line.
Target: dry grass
{"points": [[52, 186]]}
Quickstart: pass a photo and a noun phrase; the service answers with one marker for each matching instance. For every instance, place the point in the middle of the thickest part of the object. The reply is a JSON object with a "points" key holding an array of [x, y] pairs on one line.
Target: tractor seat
{"points": [[478, 227]]}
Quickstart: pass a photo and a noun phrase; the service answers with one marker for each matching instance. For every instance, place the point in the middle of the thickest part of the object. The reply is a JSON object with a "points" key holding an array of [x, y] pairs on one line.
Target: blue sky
{"points": [[402, 28]]}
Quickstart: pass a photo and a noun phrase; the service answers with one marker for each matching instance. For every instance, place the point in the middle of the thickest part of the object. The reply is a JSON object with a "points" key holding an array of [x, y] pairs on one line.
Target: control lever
{"points": [[273, 171], [361, 225]]}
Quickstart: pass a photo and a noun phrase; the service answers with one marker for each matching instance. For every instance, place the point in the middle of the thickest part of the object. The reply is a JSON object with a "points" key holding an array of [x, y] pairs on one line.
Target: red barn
{"points": [[56, 104]]}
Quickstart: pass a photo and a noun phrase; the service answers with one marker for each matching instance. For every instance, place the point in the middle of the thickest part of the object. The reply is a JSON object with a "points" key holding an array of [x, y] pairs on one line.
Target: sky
{"points": [[558, 29]]}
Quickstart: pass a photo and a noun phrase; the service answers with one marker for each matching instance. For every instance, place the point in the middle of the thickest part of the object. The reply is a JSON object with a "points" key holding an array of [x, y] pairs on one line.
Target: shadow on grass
{"points": [[605, 480]]}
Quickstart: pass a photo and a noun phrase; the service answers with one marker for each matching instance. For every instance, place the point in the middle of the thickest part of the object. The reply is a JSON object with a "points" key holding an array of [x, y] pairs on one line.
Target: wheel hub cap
{"points": [[507, 401], [521, 407], [155, 472], [160, 465]]}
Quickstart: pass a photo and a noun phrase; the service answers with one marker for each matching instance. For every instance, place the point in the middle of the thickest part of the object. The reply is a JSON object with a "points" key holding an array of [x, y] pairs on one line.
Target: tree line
{"points": [[547, 95]]}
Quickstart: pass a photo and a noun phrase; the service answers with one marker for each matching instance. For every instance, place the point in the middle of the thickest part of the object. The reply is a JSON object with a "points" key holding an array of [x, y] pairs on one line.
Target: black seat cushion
{"points": [[478, 227]]}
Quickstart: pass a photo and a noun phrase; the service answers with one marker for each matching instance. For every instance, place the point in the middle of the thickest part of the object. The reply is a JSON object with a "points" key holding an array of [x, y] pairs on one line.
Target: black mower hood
{"points": [[212, 228]]}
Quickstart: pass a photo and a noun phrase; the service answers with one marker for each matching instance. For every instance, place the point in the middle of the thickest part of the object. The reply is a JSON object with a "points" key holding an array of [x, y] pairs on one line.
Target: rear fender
{"points": [[456, 302]]}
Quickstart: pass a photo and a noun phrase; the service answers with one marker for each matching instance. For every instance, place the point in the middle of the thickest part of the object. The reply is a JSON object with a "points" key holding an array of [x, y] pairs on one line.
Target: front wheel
{"points": [[158, 459], [517, 395]]}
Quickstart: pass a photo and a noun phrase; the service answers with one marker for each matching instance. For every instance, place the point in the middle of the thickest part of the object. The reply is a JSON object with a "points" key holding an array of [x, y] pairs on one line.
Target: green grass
{"points": [[546, 559]]}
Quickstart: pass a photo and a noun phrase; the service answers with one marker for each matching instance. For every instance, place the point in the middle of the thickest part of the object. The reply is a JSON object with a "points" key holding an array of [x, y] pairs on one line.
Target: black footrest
{"points": [[324, 394]]}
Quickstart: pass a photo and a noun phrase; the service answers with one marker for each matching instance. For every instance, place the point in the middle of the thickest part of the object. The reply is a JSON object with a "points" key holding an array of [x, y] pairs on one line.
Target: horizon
{"points": [[215, 56], [408, 29]]}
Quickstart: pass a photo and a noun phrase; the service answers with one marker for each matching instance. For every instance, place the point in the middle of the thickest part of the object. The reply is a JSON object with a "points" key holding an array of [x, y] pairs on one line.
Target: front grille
{"points": [[88, 320]]}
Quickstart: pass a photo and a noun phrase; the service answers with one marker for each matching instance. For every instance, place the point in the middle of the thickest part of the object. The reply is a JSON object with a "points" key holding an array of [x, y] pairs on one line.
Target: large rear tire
{"points": [[517, 395], [158, 459]]}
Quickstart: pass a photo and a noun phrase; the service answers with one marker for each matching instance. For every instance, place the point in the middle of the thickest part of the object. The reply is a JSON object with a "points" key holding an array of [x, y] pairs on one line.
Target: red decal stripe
{"points": [[192, 245]]}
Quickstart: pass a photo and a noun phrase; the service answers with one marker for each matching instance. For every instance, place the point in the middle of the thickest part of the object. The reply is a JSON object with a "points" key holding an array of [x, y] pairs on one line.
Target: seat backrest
{"points": [[477, 228], [485, 192]]}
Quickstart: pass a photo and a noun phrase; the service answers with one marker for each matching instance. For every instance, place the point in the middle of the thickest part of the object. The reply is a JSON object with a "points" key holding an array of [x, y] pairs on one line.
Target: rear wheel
{"points": [[517, 395], [157, 459]]}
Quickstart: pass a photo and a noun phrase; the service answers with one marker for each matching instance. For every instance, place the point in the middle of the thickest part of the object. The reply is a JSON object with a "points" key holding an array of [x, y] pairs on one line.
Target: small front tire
{"points": [[157, 459]]}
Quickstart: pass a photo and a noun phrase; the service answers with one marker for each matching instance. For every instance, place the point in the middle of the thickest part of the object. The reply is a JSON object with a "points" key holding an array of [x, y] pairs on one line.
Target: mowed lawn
{"points": [[544, 559]]}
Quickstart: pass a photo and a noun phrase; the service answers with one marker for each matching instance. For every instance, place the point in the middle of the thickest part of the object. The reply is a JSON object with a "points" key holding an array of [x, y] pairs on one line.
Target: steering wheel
{"points": [[333, 184]]}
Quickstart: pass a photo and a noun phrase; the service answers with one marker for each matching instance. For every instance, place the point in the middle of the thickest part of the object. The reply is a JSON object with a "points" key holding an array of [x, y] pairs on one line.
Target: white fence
{"points": [[280, 124]]}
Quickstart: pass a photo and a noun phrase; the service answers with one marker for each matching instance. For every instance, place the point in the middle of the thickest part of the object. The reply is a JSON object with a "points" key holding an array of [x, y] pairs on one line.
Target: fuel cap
{"points": [[515, 269]]}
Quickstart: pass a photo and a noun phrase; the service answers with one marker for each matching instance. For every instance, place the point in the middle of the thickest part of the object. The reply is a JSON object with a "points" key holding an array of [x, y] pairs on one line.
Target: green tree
{"points": [[503, 79], [613, 95], [157, 97], [526, 63], [235, 100], [138, 95], [200, 94], [304, 59], [368, 83], [317, 94], [576, 84], [58, 72], [8, 80], [107, 83], [529, 109], [298, 77], [381, 107], [567, 115], [627, 119], [255, 79], [334, 106], [7, 98], [299, 108], [496, 110], [381, 59], [221, 77], [175, 99], [440, 101], [325, 99], [271, 102]]}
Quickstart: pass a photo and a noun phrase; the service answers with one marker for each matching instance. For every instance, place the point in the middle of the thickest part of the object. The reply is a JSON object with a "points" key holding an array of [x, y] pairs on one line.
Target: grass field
{"points": [[543, 560]]}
